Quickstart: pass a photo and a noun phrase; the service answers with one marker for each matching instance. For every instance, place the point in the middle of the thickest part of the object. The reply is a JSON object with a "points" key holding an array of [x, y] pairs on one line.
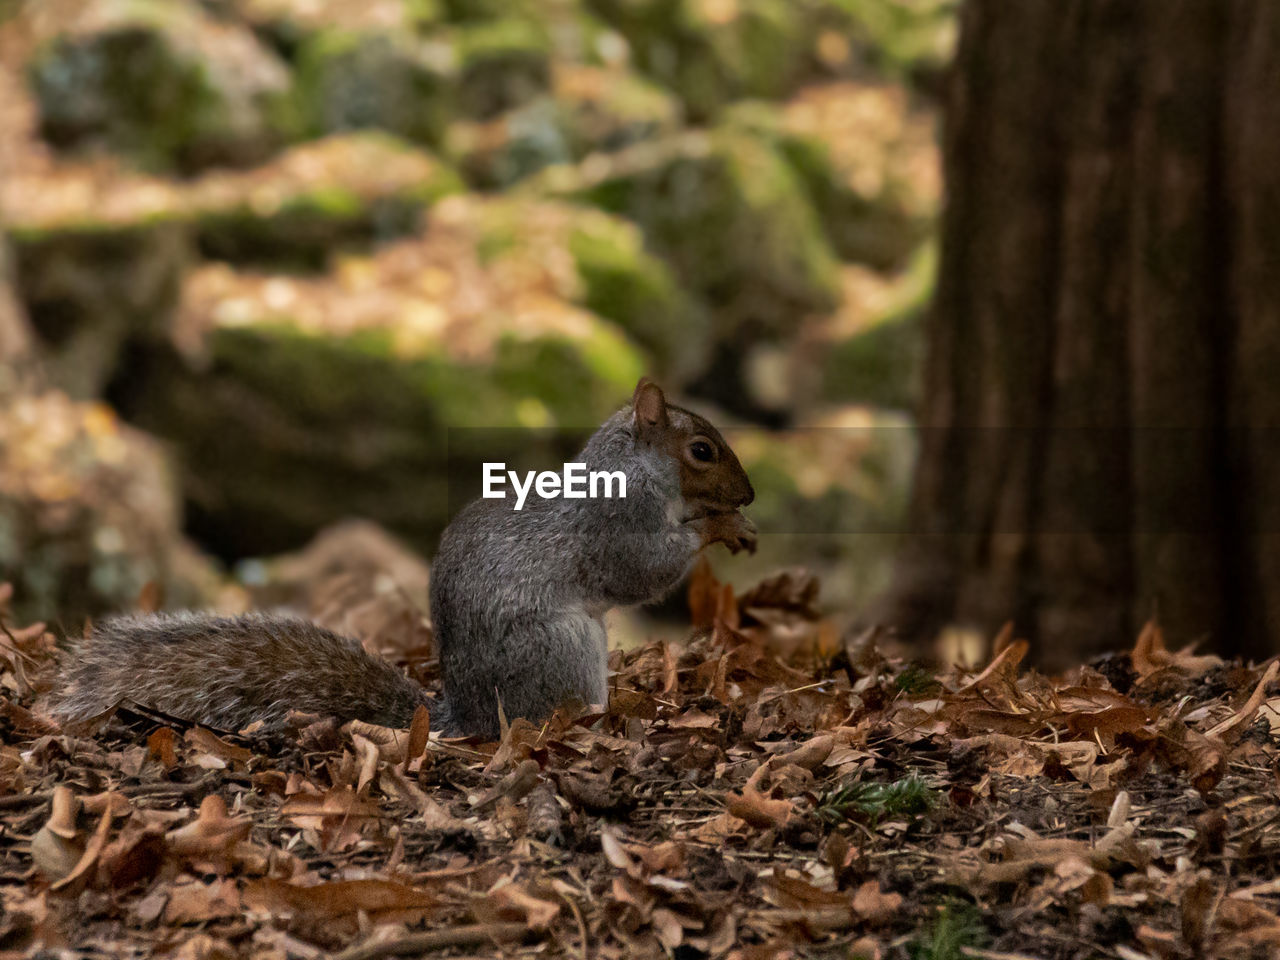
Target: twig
{"points": [[18, 800], [582, 923], [170, 791], [993, 955], [468, 936]]}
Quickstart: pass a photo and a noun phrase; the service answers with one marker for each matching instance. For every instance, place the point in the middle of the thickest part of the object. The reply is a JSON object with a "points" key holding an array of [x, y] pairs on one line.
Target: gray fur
{"points": [[228, 672], [518, 598]]}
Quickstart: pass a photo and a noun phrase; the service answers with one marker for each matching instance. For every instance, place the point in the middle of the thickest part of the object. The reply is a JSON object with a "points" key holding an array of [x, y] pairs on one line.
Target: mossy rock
{"points": [[161, 83], [502, 64], [609, 109], [288, 431], [318, 199], [97, 264], [97, 276], [867, 159], [374, 79], [882, 365], [710, 54], [617, 278], [613, 274], [591, 109], [92, 290], [495, 154], [309, 399], [899, 39], [873, 350], [628, 285], [286, 24], [89, 515], [478, 11], [729, 214]]}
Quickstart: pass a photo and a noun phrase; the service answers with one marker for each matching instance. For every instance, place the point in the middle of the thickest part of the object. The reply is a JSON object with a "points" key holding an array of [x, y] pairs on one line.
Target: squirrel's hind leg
{"points": [[544, 664]]}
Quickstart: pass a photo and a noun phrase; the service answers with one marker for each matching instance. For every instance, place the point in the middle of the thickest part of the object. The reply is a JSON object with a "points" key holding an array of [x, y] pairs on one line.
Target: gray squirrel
{"points": [[518, 600]]}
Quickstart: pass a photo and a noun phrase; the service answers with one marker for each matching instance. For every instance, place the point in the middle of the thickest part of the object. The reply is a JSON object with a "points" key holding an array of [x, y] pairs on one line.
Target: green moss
{"points": [[288, 430], [883, 364], [126, 89], [497, 240], [878, 229], [157, 83], [473, 11], [308, 227], [371, 80], [90, 292], [879, 367], [758, 51], [624, 283], [341, 379], [85, 226], [498, 153], [501, 64], [729, 215], [578, 381], [769, 48], [796, 246], [902, 39], [424, 13], [622, 109], [590, 109]]}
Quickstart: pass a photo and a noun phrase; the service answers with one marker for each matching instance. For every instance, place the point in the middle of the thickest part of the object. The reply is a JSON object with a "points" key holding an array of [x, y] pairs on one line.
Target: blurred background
{"points": [[266, 262]]}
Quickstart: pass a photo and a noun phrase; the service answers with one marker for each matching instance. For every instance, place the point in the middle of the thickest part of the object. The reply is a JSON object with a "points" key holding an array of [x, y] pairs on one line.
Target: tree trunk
{"points": [[1104, 349]]}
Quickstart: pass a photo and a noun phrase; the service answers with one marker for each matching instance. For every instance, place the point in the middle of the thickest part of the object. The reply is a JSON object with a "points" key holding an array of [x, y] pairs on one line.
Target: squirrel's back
{"points": [[227, 672]]}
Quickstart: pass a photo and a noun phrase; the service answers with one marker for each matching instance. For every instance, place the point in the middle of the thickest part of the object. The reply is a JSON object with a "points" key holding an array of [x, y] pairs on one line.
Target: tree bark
{"points": [[1103, 376]]}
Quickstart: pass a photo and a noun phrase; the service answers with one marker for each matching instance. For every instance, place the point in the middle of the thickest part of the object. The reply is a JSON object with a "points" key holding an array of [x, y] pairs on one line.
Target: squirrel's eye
{"points": [[701, 450]]}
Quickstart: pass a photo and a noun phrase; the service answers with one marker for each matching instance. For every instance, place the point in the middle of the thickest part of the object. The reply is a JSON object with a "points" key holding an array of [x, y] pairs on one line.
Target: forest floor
{"points": [[769, 789]]}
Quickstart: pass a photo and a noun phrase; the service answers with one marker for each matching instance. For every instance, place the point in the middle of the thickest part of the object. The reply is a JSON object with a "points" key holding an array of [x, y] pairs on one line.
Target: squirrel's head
{"points": [[711, 478]]}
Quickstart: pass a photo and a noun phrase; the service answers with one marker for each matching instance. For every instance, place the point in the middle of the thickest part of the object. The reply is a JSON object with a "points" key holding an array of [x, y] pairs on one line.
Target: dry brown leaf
{"points": [[85, 867], [195, 902], [1233, 727], [756, 809], [876, 906], [56, 848], [212, 833], [343, 898], [368, 757], [1150, 655], [538, 913], [134, 856], [210, 743], [419, 738], [434, 815]]}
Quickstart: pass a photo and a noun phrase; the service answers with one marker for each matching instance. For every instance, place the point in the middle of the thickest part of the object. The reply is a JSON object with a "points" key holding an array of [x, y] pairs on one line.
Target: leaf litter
{"points": [[768, 788]]}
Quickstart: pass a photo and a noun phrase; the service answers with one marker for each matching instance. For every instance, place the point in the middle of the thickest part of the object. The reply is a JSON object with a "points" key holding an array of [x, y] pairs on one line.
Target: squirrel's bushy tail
{"points": [[228, 672]]}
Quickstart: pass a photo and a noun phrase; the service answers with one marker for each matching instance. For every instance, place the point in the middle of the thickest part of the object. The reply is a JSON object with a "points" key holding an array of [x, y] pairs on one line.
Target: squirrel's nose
{"points": [[749, 496]]}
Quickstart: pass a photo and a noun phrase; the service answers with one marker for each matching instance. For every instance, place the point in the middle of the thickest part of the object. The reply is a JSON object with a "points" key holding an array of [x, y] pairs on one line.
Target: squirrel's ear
{"points": [[650, 406]]}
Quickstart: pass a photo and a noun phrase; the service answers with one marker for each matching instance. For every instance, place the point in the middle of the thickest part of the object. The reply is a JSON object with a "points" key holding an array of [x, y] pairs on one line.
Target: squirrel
{"points": [[517, 601]]}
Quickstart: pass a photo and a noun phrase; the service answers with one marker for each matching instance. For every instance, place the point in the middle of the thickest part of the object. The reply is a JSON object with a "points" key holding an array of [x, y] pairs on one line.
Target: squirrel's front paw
{"points": [[734, 530]]}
